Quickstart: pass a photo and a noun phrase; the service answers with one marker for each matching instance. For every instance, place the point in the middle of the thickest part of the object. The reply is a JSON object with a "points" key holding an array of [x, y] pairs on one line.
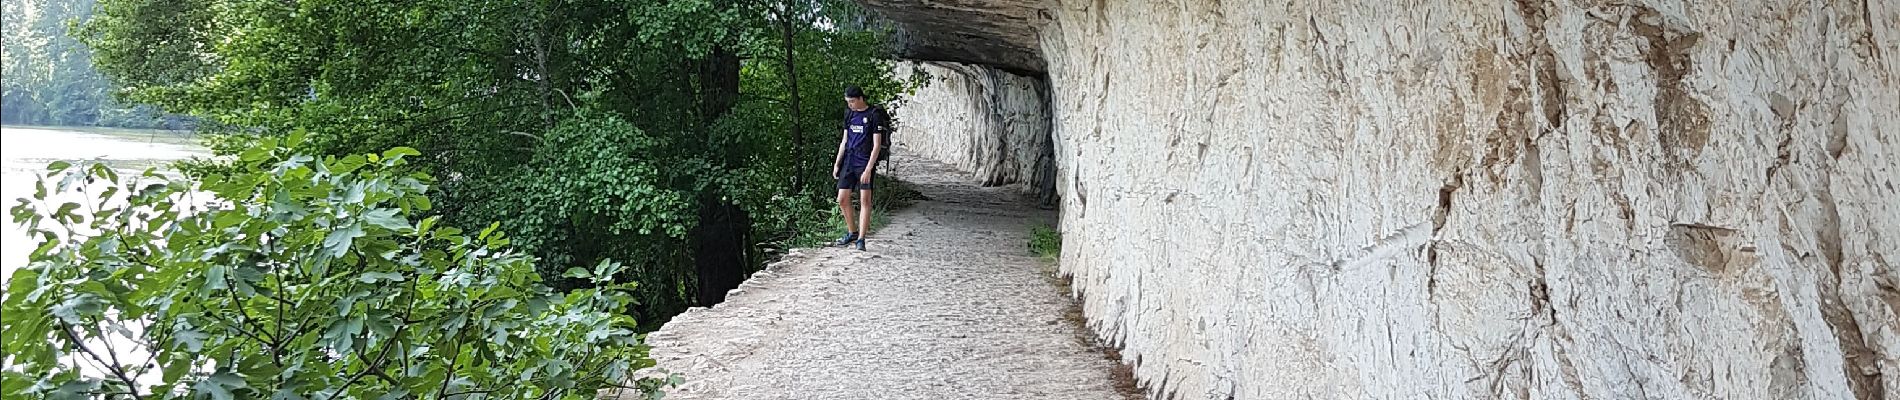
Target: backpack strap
{"points": [[883, 117]]}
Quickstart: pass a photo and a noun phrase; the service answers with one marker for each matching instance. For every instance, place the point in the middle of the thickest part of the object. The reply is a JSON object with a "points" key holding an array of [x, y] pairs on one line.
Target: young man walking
{"points": [[865, 130]]}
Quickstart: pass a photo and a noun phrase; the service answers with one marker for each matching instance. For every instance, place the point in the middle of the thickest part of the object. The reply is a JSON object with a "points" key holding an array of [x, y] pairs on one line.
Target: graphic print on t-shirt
{"points": [[858, 140]]}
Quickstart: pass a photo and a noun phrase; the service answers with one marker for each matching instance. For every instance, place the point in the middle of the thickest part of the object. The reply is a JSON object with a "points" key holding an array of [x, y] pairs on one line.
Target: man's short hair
{"points": [[854, 91]]}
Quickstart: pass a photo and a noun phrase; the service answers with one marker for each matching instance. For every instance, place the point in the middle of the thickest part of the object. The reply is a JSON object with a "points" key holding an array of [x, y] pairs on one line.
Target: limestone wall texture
{"points": [[984, 121], [1425, 199]]}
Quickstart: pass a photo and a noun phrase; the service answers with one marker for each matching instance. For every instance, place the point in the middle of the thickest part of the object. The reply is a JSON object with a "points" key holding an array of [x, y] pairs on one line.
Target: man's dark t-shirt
{"points": [[859, 126]]}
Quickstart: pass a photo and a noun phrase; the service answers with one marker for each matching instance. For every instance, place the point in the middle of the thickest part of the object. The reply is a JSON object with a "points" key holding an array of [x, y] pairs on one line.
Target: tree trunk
{"points": [[718, 84], [786, 33], [722, 248], [544, 88], [722, 242]]}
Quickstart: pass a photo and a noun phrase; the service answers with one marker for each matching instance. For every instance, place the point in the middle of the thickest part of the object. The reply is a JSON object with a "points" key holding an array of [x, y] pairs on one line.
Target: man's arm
{"points": [[877, 142], [844, 137]]}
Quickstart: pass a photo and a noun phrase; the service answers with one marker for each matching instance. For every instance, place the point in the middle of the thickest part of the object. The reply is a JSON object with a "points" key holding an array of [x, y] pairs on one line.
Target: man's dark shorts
{"points": [[848, 178]]}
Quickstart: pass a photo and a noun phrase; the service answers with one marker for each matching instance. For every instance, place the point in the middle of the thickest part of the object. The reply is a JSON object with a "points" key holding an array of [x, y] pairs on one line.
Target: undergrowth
{"points": [[1045, 241]]}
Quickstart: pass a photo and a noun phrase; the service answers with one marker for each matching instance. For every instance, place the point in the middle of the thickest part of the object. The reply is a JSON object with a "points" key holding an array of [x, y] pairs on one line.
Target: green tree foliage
{"points": [[49, 75], [293, 277], [651, 131]]}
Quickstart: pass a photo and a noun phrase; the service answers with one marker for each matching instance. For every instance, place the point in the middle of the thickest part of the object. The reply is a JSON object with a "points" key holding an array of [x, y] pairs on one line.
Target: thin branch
{"points": [[465, 99], [150, 350], [110, 351], [346, 384], [382, 356], [466, 115], [450, 395], [277, 354], [230, 290], [455, 357], [570, 100], [237, 327], [305, 322], [529, 135], [409, 311], [114, 368], [444, 46], [377, 372]]}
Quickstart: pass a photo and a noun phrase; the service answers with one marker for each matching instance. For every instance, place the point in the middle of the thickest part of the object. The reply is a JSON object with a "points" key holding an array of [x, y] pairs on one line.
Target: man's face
{"points": [[856, 103]]}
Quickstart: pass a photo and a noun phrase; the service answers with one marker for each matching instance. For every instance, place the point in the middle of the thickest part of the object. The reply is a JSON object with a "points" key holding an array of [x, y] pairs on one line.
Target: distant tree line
{"points": [[48, 74]]}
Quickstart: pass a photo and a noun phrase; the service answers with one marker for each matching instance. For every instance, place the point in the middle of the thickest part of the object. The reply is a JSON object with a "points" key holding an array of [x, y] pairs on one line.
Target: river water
{"points": [[27, 151]]}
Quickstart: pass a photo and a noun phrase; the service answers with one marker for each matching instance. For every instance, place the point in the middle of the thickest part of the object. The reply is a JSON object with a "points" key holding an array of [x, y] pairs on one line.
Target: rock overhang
{"points": [[999, 33]]}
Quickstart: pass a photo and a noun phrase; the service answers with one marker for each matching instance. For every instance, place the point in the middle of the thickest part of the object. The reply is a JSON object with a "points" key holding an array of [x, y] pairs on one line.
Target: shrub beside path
{"points": [[948, 303]]}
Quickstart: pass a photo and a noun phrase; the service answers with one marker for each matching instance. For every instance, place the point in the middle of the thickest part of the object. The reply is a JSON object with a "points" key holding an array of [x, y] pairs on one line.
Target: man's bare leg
{"points": [[864, 223], [850, 214]]}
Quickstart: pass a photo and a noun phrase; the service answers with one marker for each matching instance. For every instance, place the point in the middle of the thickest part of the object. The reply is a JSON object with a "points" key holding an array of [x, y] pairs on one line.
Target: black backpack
{"points": [[883, 117]]}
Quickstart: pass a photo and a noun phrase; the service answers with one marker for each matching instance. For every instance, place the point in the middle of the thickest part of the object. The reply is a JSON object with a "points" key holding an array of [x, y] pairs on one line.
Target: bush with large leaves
{"points": [[598, 186], [291, 277]]}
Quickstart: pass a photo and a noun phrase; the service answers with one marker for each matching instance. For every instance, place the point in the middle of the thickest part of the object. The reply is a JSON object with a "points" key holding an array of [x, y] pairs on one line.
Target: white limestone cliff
{"points": [[990, 123], [1496, 199]]}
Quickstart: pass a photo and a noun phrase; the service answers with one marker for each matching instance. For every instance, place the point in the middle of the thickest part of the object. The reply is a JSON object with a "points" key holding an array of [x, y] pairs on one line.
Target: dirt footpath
{"points": [[947, 303]]}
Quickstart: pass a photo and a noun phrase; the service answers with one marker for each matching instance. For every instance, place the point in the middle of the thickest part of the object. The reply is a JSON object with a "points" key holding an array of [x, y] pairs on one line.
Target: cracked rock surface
{"points": [[1574, 199], [1494, 199]]}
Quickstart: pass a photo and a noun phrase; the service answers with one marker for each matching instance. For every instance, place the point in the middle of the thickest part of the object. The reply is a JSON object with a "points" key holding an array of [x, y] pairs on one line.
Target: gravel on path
{"points": [[946, 303]]}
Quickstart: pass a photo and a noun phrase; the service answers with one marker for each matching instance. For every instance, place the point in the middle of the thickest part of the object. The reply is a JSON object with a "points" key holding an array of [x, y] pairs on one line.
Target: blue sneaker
{"points": [[860, 243], [846, 240]]}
